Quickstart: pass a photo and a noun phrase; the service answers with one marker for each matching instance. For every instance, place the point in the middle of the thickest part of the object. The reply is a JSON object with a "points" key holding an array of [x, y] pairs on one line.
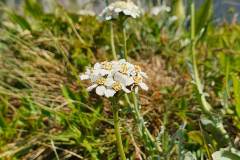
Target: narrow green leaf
{"points": [[236, 90], [33, 8], [204, 15], [196, 136], [21, 21], [67, 95], [2, 122]]}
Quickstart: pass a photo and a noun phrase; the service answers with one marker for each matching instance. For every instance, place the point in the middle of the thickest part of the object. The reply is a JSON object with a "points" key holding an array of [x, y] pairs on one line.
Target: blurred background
{"points": [[223, 9]]}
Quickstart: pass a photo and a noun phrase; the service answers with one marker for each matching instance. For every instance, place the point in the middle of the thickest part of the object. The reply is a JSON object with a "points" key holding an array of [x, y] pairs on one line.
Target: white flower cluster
{"points": [[114, 9], [108, 78], [83, 12]]}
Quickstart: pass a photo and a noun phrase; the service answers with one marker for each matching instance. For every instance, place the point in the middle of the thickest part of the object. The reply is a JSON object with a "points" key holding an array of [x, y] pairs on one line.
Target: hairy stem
{"points": [[117, 130], [142, 129], [205, 105], [125, 43], [141, 120], [112, 42]]}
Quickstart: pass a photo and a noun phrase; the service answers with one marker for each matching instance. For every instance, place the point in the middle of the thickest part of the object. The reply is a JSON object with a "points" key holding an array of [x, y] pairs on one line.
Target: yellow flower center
{"points": [[137, 68], [107, 65], [124, 69], [101, 81], [117, 86], [137, 79]]}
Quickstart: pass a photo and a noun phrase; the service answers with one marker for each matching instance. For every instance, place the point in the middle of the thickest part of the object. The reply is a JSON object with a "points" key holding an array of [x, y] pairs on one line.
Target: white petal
{"points": [[92, 87], [97, 66], [144, 74], [129, 81], [108, 18], [127, 12], [88, 71], [122, 61], [125, 89], [116, 67], [94, 77], [124, 79], [131, 66], [109, 82], [84, 77], [114, 62], [118, 77], [109, 93], [143, 86], [100, 90], [134, 16], [104, 72], [117, 10], [96, 71]]}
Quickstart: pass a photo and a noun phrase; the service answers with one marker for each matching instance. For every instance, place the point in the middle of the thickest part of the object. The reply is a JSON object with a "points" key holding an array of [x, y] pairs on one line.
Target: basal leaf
{"points": [[226, 154]]}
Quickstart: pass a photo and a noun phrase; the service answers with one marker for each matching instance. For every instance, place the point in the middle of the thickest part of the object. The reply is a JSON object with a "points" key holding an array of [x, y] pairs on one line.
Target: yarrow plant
{"points": [[111, 80]]}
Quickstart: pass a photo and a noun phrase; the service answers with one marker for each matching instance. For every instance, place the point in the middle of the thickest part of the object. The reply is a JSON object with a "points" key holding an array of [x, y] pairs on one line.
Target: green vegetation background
{"points": [[46, 113]]}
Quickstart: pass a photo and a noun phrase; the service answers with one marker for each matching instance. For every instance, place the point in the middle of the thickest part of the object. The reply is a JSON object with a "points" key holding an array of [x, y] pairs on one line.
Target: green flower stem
{"points": [[117, 129], [205, 105], [115, 106], [125, 43], [106, 2], [141, 120], [112, 42], [143, 131]]}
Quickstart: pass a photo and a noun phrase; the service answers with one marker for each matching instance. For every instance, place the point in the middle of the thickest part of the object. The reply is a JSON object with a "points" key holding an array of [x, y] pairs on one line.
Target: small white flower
{"points": [[108, 78], [114, 9], [86, 76], [117, 86], [172, 19], [138, 81], [159, 9], [103, 87], [100, 70], [138, 71]]}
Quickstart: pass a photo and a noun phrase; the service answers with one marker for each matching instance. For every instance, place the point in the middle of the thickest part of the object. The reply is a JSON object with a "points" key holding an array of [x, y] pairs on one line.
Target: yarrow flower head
{"points": [[115, 9], [109, 78]]}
